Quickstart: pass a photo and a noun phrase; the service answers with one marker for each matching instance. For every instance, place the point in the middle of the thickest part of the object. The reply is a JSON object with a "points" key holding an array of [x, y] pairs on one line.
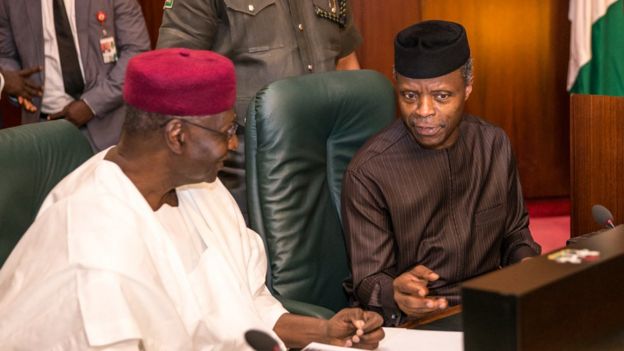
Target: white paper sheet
{"points": [[398, 339]]}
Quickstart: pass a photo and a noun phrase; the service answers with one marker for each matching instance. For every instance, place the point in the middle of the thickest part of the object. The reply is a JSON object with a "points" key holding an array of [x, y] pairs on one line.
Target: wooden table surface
{"points": [[414, 323]]}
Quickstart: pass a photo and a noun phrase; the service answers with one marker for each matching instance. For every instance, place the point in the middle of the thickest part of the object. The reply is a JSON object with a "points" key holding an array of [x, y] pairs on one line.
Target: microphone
{"points": [[603, 216], [261, 341]]}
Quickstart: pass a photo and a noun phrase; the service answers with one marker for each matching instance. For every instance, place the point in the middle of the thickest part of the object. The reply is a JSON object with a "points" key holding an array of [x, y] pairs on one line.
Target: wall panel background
{"points": [[520, 49], [378, 22]]}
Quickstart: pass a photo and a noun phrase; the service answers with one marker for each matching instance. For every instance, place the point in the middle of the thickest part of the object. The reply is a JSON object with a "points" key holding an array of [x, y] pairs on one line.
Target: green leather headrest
{"points": [[33, 159], [300, 136]]}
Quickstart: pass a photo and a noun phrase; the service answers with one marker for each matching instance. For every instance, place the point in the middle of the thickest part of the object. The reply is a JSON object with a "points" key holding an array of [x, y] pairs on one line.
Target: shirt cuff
{"points": [[376, 293], [89, 106]]}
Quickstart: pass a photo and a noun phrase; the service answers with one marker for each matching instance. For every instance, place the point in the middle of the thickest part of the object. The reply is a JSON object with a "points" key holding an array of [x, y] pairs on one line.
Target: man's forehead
{"points": [[450, 80], [225, 117]]}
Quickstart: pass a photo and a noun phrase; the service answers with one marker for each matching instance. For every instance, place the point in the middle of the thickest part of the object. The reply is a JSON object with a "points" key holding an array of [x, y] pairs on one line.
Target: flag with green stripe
{"points": [[597, 47]]}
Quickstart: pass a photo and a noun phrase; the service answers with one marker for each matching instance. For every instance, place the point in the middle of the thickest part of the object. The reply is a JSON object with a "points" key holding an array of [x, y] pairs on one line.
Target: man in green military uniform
{"points": [[267, 40]]}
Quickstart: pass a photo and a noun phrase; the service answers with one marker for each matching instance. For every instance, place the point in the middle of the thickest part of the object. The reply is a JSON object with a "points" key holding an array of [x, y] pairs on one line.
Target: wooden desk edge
{"points": [[431, 317]]}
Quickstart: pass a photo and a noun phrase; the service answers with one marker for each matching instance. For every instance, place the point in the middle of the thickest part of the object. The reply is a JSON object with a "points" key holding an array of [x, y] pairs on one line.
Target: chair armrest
{"points": [[305, 309]]}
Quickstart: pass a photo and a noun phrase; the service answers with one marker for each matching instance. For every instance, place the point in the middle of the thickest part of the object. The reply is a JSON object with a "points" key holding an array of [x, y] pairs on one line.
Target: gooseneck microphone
{"points": [[261, 341], [602, 216]]}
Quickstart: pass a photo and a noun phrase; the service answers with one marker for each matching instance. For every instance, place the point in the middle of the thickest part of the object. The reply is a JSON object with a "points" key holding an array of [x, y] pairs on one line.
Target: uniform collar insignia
{"points": [[337, 14]]}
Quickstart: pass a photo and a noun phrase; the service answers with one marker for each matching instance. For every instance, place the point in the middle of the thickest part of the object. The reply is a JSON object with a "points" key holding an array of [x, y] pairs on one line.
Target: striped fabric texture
{"points": [[459, 211]]}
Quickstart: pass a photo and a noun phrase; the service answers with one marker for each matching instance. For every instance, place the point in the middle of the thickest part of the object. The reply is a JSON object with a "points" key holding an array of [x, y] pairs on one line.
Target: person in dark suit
{"points": [[67, 59]]}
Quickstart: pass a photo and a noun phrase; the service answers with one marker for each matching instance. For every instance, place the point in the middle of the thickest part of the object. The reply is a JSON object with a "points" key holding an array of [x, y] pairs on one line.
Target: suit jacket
{"points": [[21, 46]]}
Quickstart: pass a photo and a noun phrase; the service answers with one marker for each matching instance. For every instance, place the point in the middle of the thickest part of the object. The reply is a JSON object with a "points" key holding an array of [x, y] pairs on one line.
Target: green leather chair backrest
{"points": [[33, 159], [300, 135]]}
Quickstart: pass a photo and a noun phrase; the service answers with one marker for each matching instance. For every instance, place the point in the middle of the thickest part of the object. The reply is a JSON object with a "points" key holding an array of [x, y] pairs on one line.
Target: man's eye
{"points": [[409, 95], [442, 96]]}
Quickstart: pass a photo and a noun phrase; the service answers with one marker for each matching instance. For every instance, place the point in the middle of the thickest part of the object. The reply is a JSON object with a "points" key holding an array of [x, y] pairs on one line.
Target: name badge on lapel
{"points": [[107, 41]]}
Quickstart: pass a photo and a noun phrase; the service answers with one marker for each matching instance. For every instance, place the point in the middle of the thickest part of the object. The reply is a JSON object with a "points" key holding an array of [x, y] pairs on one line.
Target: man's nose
{"points": [[233, 143], [425, 107]]}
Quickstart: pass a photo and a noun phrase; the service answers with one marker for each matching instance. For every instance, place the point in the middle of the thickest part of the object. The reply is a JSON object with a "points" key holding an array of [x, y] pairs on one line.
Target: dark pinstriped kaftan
{"points": [[458, 211]]}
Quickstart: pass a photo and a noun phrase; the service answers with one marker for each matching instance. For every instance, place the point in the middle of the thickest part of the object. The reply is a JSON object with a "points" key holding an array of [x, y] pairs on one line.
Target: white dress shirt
{"points": [[54, 96]]}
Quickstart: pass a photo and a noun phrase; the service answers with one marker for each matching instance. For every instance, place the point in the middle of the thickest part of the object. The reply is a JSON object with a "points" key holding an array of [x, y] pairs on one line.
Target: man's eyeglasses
{"points": [[227, 135]]}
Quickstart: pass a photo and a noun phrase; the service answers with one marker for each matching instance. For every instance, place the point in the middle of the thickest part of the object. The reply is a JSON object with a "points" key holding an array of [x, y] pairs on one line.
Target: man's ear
{"points": [[175, 136], [468, 90]]}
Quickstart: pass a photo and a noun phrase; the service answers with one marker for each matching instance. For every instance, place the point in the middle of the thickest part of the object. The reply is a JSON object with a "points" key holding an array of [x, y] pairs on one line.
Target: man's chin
{"points": [[429, 142]]}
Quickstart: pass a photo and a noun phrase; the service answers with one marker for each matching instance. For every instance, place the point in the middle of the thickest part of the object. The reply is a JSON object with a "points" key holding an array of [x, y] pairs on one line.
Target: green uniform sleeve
{"points": [[350, 38], [190, 24]]}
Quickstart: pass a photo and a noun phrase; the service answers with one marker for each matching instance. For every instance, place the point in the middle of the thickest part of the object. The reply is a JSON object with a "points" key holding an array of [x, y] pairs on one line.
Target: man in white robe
{"points": [[142, 248]]}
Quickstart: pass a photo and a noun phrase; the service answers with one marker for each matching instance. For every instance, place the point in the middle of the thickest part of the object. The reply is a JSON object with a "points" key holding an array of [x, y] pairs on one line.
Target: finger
{"points": [[29, 106], [23, 92], [26, 104], [358, 325], [372, 321], [414, 288], [355, 316], [355, 339], [30, 92], [408, 284], [436, 303], [442, 303], [346, 314], [416, 306], [411, 303], [33, 89], [422, 272], [372, 339], [29, 71]]}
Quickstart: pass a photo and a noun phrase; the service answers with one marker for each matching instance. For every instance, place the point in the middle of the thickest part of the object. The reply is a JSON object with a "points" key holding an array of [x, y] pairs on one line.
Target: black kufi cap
{"points": [[430, 49]]}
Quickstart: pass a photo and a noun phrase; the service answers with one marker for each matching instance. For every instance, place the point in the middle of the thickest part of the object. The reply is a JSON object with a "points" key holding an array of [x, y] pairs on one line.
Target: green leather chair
{"points": [[33, 159], [300, 135]]}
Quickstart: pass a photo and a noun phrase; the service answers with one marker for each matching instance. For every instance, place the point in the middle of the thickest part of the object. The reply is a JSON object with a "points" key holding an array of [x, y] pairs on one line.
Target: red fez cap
{"points": [[180, 82]]}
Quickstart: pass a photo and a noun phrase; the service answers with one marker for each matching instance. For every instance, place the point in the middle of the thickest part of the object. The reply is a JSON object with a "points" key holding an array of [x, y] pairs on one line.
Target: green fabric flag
{"points": [[597, 47]]}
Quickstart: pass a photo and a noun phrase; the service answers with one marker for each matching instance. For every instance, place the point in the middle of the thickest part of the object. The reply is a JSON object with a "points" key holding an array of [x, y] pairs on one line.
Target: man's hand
{"points": [[26, 104], [354, 327], [17, 83], [410, 291], [77, 112]]}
